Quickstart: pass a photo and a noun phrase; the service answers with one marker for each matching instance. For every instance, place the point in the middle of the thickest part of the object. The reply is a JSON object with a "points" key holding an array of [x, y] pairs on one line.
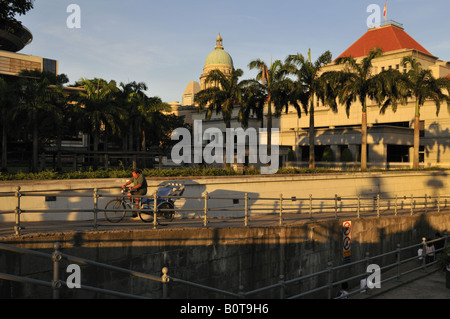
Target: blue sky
{"points": [[165, 43]]}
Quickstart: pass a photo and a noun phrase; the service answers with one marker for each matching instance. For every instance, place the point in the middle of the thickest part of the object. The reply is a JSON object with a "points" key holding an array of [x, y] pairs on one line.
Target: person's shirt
{"points": [[140, 180]]}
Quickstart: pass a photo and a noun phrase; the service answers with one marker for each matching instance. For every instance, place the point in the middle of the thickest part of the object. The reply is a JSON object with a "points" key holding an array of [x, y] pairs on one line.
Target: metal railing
{"points": [[281, 209], [419, 261]]}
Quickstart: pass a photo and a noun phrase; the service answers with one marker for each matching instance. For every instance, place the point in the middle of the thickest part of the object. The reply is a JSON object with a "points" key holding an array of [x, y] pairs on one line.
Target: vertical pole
{"points": [[358, 212], [165, 279], [412, 204], [281, 209], [282, 286], [396, 205], [335, 205], [310, 206], [330, 278], [95, 207], [398, 261], [205, 220], [439, 203], [378, 205], [246, 210], [56, 257], [424, 251], [18, 211], [426, 204], [155, 209]]}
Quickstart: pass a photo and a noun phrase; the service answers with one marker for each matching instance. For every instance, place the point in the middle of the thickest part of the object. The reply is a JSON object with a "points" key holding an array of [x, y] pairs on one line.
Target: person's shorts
{"points": [[140, 192]]}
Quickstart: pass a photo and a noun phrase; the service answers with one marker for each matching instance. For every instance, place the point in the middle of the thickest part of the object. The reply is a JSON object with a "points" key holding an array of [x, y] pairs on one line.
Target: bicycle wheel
{"points": [[119, 213], [168, 215], [147, 215]]}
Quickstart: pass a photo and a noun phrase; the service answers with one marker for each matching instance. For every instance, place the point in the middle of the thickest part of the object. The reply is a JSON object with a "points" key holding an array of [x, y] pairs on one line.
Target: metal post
{"points": [[426, 206], [56, 257], [396, 210], [246, 209], [335, 205], [378, 205], [330, 278], [424, 251], [412, 204], [165, 279], [281, 209], [18, 211], [95, 208], [358, 212], [282, 286], [310, 206], [439, 203], [398, 261], [205, 220], [155, 209]]}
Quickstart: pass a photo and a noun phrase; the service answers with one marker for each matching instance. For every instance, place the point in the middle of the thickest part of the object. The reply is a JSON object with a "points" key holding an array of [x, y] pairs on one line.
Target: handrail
{"points": [[284, 208], [57, 256]]}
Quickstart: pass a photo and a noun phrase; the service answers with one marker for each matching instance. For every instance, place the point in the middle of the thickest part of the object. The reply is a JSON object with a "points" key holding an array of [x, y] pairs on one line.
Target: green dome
{"points": [[219, 55]]}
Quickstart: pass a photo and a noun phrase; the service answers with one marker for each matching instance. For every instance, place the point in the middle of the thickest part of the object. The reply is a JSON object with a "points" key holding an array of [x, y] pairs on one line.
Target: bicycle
{"points": [[116, 209]]}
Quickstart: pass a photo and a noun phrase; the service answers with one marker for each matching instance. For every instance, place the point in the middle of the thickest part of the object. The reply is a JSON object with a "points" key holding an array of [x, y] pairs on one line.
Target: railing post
{"points": [[335, 205], [358, 212], [310, 206], [412, 204], [426, 206], [96, 208], [330, 278], [396, 209], [165, 279], [56, 257], [398, 261], [246, 210], [282, 286], [439, 203], [424, 252], [281, 209], [17, 212], [155, 209], [378, 205], [205, 218]]}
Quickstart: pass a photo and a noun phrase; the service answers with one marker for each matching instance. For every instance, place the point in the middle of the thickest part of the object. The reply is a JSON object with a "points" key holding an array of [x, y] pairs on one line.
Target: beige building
{"points": [[390, 135]]}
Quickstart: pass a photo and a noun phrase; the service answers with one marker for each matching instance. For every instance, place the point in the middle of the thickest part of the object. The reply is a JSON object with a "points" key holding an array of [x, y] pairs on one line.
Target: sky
{"points": [[165, 43]]}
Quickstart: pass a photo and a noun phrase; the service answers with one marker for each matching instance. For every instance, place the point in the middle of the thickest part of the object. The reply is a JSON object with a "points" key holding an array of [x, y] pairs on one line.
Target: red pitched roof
{"points": [[388, 38]]}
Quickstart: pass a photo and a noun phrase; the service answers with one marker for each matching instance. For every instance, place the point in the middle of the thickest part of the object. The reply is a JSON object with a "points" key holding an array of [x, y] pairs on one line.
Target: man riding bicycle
{"points": [[139, 187]]}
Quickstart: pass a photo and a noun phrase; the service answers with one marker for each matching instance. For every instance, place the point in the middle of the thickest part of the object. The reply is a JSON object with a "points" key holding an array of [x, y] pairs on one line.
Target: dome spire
{"points": [[219, 43]]}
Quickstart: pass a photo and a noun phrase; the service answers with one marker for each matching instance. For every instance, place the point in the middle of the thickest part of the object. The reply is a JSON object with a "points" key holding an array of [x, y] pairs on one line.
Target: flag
{"points": [[385, 11]]}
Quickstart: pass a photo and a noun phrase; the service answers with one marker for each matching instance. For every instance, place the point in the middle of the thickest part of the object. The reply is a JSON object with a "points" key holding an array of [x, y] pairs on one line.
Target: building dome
{"points": [[219, 56]]}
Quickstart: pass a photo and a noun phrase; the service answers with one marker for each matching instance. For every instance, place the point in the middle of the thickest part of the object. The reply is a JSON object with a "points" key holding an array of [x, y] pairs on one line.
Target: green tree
{"points": [[423, 86], [276, 88], [223, 94], [9, 9], [101, 112], [358, 83], [310, 83], [35, 107]]}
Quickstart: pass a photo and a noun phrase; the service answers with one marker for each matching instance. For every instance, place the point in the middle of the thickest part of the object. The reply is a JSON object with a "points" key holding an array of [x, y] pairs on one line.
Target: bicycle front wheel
{"points": [[115, 210]]}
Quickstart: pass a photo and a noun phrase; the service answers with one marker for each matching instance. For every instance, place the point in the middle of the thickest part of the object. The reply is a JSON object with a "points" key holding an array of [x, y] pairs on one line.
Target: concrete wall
{"points": [[432, 183], [227, 258]]}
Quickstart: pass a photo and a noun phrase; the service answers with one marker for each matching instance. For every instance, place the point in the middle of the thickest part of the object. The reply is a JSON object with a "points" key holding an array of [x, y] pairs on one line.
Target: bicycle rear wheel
{"points": [[119, 210], [147, 216]]}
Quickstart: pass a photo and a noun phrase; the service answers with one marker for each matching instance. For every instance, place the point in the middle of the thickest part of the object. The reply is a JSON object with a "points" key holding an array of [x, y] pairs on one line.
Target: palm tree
{"points": [[309, 83], [222, 96], [275, 87], [358, 83], [100, 110], [35, 94], [423, 86]]}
